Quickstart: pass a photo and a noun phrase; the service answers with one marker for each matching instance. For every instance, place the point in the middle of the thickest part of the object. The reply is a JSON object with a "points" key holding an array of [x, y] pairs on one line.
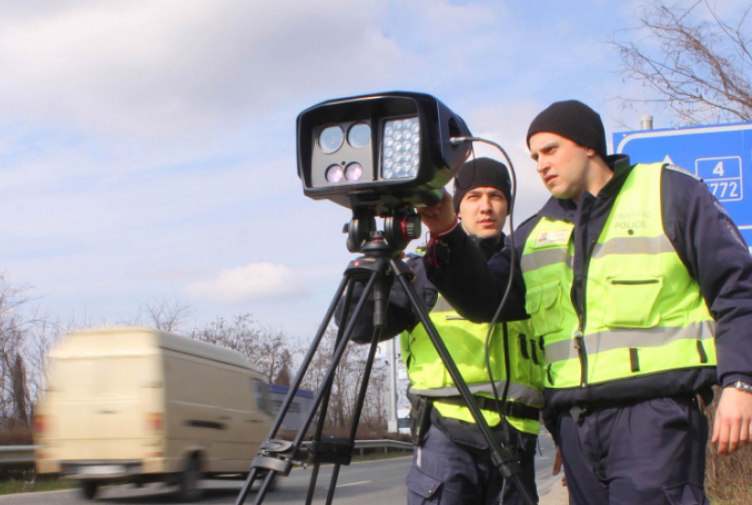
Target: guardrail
{"points": [[386, 444], [13, 454]]}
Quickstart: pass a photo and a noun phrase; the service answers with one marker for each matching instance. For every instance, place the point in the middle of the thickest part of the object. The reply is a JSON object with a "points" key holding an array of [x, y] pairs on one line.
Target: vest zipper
{"points": [[579, 344], [579, 340]]}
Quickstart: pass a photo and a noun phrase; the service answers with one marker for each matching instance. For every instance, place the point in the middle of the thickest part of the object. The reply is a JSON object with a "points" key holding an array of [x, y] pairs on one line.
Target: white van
{"points": [[140, 405]]}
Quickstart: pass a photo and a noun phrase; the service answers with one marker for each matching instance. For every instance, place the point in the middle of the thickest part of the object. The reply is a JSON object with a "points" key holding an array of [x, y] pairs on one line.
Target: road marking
{"points": [[354, 483]]}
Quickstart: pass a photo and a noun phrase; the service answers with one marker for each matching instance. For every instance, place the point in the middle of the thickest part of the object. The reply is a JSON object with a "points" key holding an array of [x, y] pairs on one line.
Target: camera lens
{"points": [[334, 174], [331, 139], [353, 172], [359, 135]]}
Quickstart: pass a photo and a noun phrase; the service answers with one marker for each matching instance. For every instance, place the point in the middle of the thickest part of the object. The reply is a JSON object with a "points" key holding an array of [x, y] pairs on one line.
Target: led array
{"points": [[401, 149]]}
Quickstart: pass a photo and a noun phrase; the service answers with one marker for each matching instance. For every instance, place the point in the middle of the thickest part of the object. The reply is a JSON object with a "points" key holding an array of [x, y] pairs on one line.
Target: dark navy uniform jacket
{"points": [[400, 314], [705, 238]]}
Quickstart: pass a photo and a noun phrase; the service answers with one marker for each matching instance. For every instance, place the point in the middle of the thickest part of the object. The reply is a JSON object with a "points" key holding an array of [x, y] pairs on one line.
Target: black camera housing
{"points": [[439, 159]]}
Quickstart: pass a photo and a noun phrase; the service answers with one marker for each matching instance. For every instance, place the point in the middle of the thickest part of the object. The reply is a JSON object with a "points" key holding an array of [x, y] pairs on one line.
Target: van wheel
{"points": [[89, 489], [189, 480]]}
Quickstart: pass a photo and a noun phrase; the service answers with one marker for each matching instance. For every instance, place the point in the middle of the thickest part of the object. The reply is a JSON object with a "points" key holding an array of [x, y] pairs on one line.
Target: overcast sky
{"points": [[147, 148]]}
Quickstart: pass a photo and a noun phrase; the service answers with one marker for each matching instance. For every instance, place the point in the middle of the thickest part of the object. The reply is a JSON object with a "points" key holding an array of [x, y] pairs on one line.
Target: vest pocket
{"points": [[542, 303], [536, 375], [631, 301], [519, 356]]}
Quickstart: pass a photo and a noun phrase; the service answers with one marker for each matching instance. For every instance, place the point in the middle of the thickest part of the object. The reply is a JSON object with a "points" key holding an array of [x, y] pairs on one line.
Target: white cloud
{"points": [[254, 282], [506, 124], [152, 67], [145, 146]]}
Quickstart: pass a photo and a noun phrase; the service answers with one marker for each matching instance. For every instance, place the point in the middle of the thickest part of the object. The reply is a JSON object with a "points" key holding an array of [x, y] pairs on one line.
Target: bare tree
{"points": [[41, 338], [284, 377], [346, 385], [13, 332], [269, 350], [20, 393], [165, 314], [698, 68]]}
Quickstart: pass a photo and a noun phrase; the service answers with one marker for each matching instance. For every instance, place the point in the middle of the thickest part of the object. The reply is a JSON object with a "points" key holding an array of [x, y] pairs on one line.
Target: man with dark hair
{"points": [[452, 462], [640, 287]]}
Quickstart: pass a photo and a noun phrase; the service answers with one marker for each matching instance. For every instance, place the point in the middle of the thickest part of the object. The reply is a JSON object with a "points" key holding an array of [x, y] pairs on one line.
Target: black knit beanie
{"points": [[573, 120], [481, 173]]}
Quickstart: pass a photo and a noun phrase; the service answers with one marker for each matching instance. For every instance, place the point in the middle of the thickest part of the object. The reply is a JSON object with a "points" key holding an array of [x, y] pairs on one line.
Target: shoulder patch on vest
{"points": [[681, 170], [553, 237]]}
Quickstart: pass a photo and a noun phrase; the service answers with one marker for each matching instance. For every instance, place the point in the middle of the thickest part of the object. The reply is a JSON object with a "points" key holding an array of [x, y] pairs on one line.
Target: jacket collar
{"points": [[489, 247]]}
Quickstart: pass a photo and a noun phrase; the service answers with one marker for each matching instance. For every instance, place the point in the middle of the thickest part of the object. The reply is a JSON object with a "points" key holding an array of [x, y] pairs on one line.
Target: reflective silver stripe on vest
{"points": [[634, 245], [518, 392], [629, 338], [544, 258]]}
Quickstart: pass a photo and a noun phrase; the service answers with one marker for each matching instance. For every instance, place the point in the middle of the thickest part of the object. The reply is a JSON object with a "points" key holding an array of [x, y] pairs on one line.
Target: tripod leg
{"points": [[364, 383], [332, 485], [312, 483], [308, 358], [325, 401], [295, 386], [500, 458], [317, 438], [358, 408], [352, 322]]}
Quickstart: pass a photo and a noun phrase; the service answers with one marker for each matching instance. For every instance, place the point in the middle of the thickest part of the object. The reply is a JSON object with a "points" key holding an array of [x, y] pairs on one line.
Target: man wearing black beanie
{"points": [[640, 287], [452, 462], [482, 192]]}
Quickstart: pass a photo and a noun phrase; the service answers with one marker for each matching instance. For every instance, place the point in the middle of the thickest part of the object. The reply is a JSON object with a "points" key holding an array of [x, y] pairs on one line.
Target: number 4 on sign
{"points": [[718, 170]]}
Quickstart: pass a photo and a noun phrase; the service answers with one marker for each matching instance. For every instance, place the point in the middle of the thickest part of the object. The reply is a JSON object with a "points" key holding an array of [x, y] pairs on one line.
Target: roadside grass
{"points": [[14, 486], [733, 501], [731, 496]]}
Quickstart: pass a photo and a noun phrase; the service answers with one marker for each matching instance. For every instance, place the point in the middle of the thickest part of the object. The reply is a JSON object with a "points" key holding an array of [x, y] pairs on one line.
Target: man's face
{"points": [[483, 212], [562, 164]]}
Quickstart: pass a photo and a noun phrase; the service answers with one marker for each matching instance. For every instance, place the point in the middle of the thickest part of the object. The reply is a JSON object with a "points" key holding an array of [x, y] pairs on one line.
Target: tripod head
{"points": [[400, 227]]}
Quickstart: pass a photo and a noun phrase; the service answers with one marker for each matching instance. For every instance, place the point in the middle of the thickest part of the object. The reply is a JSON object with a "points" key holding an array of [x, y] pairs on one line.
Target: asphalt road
{"points": [[372, 482]]}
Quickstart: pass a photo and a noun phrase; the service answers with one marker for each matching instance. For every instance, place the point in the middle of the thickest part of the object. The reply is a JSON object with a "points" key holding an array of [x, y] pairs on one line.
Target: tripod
{"points": [[378, 267]]}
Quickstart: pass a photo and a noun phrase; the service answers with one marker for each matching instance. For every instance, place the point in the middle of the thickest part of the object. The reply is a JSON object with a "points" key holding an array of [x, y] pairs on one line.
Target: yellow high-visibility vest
{"points": [[465, 341], [644, 312]]}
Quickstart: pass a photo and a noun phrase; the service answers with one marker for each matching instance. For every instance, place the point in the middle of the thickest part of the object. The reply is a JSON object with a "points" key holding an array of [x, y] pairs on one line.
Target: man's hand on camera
{"points": [[440, 217]]}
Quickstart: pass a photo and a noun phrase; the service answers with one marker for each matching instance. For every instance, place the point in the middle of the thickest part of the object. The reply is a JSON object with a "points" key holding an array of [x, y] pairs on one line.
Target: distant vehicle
{"points": [[296, 414], [140, 405]]}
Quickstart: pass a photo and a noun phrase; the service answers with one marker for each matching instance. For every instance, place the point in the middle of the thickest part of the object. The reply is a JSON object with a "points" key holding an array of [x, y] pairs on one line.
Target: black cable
{"points": [[456, 177], [513, 264]]}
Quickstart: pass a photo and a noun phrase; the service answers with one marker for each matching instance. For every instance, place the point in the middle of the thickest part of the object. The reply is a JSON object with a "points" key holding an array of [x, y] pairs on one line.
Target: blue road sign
{"points": [[721, 155]]}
